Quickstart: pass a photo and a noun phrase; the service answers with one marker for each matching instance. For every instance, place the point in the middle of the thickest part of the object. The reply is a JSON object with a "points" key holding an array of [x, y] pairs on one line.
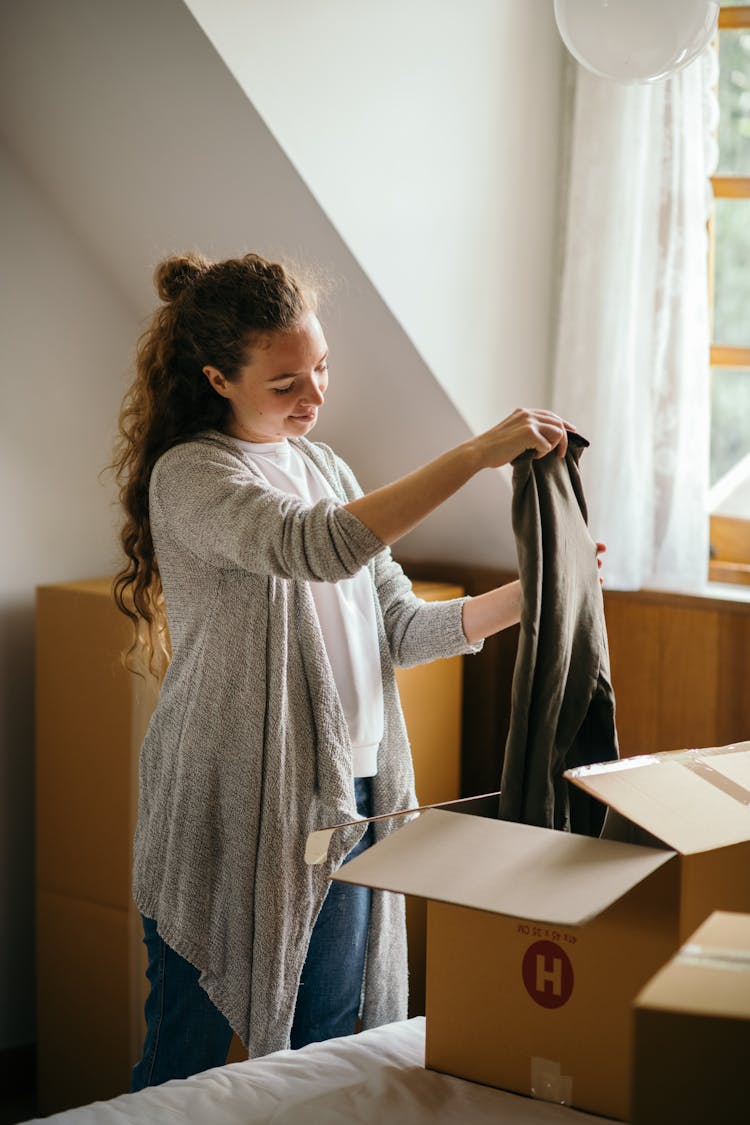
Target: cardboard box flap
{"points": [[504, 868], [709, 975], [693, 800]]}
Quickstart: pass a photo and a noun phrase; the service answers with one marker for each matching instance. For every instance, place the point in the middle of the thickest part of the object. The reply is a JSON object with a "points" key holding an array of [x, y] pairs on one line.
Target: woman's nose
{"points": [[313, 393]]}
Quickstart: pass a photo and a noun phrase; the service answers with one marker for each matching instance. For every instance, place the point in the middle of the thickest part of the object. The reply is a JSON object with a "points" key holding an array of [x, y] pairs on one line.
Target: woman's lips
{"points": [[308, 417]]}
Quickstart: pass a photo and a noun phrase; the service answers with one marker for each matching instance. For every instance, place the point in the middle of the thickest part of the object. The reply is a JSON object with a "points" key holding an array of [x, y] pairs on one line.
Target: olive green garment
{"points": [[563, 705]]}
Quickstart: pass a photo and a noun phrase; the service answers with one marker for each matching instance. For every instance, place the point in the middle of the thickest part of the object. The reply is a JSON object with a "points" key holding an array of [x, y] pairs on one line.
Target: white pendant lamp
{"points": [[636, 40]]}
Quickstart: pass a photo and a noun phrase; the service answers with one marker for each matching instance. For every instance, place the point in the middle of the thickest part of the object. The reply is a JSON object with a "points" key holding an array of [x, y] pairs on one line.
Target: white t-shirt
{"points": [[345, 609]]}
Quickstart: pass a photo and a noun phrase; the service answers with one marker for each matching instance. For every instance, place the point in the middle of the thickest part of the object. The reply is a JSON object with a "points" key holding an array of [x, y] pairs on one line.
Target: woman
{"points": [[279, 712]]}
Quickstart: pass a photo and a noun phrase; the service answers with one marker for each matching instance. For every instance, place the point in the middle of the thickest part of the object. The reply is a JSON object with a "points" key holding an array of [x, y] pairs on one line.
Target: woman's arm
{"points": [[205, 497], [488, 613], [393, 510]]}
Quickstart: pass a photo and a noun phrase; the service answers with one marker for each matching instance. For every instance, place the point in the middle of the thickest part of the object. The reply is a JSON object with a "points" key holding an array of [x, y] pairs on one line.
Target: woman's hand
{"points": [[540, 430], [600, 549], [391, 511]]}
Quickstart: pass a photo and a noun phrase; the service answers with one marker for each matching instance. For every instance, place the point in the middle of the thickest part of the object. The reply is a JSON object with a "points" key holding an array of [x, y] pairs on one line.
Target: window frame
{"points": [[729, 536]]}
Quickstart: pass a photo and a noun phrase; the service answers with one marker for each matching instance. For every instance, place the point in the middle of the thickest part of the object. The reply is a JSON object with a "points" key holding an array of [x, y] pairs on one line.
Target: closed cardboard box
{"points": [[539, 941], [692, 1030]]}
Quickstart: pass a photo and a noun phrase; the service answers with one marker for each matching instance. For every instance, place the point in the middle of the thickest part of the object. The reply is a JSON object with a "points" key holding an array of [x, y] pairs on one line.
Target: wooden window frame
{"points": [[729, 536]]}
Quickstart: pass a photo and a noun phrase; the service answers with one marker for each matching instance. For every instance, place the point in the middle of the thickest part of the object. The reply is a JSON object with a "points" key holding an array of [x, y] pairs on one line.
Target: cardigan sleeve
{"points": [[208, 500], [417, 631]]}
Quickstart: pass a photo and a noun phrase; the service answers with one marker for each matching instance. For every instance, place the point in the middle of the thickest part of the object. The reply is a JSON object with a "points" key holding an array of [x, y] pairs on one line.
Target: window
{"points": [[730, 298]]}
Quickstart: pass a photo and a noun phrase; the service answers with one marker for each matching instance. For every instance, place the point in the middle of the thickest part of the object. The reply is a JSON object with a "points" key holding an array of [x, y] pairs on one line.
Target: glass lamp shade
{"points": [[636, 40]]}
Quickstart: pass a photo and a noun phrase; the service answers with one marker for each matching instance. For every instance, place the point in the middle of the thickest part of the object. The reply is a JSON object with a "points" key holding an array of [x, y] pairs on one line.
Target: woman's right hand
{"points": [[540, 430], [391, 511]]}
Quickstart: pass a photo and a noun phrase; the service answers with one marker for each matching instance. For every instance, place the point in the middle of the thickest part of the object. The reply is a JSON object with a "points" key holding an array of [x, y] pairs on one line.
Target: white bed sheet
{"points": [[374, 1078]]}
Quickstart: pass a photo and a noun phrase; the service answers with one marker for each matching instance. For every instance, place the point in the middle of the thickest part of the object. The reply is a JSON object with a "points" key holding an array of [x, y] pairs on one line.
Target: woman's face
{"points": [[279, 392]]}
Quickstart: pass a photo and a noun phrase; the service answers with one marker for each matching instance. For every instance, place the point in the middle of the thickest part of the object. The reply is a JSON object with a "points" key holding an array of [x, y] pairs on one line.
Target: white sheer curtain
{"points": [[632, 358]]}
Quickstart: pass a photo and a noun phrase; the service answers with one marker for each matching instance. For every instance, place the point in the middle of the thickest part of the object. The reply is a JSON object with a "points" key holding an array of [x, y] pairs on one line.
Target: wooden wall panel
{"points": [[634, 663], [663, 662], [733, 678], [730, 539], [680, 670]]}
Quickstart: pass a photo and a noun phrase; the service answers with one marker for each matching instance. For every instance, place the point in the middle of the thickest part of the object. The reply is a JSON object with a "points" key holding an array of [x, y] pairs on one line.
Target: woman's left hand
{"points": [[600, 549]]}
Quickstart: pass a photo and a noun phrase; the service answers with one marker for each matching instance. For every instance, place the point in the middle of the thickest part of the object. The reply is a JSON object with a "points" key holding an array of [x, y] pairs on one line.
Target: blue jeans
{"points": [[186, 1033]]}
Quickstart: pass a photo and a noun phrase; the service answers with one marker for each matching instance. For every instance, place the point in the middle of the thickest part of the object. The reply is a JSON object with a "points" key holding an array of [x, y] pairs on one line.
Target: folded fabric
{"points": [[563, 705]]}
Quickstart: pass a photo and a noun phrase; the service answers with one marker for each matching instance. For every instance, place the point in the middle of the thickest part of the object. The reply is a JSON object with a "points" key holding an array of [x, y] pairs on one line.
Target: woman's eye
{"points": [[283, 390]]}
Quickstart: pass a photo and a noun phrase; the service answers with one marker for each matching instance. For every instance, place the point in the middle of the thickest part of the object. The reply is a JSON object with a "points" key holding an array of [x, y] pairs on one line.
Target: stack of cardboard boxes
{"points": [[539, 942]]}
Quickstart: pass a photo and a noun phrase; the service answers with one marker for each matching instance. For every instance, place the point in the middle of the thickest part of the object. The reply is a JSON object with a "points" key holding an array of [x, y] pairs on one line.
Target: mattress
{"points": [[372, 1078]]}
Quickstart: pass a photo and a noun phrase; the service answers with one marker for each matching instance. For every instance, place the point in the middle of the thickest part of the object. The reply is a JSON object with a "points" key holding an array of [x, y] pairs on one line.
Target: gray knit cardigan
{"points": [[248, 749]]}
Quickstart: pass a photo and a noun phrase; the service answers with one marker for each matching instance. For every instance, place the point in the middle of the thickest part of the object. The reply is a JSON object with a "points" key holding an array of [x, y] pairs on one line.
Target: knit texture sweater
{"points": [[248, 749]]}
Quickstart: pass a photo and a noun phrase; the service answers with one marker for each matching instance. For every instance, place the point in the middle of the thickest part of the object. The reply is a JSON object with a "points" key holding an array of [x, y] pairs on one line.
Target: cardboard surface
{"points": [[83, 1002], [503, 992], [539, 941], [709, 975], [82, 777], [692, 1030], [504, 868], [91, 714], [693, 800]]}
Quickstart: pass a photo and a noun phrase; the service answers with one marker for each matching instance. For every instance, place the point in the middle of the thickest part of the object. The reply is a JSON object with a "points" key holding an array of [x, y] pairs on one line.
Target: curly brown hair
{"points": [[212, 314]]}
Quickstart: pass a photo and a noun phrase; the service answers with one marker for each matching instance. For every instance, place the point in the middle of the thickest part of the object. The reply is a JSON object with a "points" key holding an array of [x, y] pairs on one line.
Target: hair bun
{"points": [[174, 275]]}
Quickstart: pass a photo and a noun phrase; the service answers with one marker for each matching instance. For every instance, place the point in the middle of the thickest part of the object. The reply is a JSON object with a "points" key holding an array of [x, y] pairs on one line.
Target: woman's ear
{"points": [[217, 380]]}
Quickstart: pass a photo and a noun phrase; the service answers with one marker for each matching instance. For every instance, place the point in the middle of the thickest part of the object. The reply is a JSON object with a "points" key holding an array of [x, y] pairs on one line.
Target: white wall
{"points": [[66, 338], [428, 131]]}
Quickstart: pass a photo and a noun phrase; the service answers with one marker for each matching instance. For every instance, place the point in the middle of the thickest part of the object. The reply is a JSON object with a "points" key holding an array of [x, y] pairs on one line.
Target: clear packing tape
{"points": [[698, 761], [548, 1084], [318, 842], [714, 957]]}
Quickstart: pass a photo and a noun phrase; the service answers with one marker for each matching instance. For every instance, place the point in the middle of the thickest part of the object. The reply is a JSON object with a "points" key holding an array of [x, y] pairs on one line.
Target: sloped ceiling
{"points": [[128, 120], [428, 131]]}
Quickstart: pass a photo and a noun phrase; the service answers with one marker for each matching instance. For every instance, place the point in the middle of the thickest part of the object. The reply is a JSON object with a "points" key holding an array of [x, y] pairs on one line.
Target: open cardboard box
{"points": [[692, 1030], [538, 941]]}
